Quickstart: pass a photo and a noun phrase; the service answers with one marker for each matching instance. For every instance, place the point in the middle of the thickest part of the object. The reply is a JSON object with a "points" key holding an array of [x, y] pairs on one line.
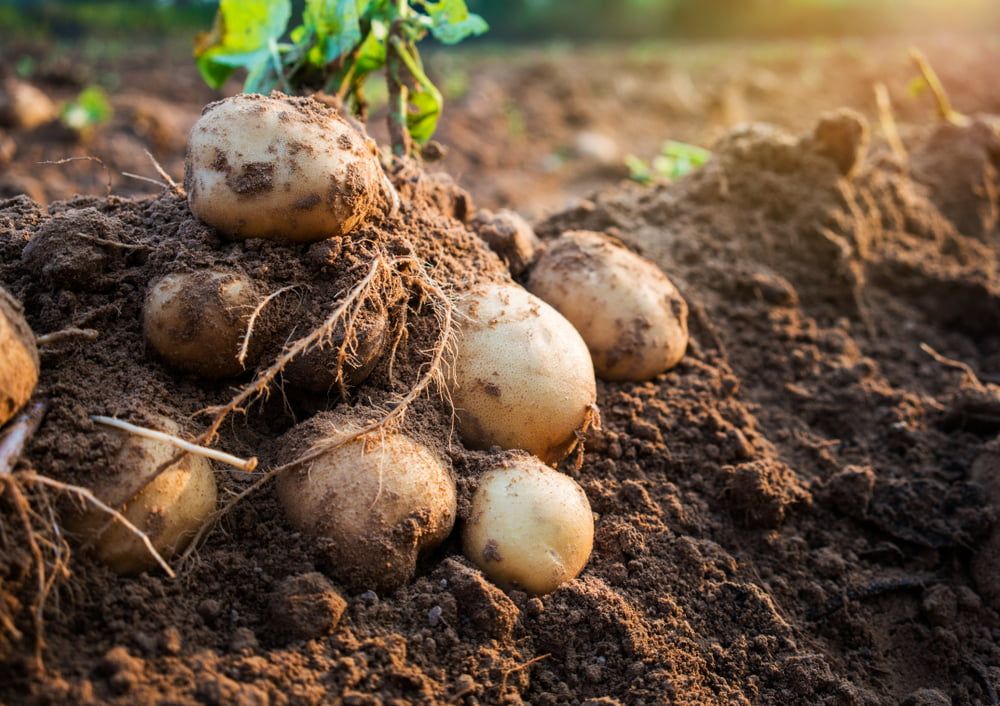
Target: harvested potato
{"points": [[196, 321], [631, 316], [18, 358], [169, 510], [530, 527], [522, 377], [23, 106], [284, 168], [372, 505], [316, 369], [509, 236]]}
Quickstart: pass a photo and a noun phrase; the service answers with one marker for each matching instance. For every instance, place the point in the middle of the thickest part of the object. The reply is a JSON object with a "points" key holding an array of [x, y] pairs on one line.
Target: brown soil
{"points": [[800, 512]]}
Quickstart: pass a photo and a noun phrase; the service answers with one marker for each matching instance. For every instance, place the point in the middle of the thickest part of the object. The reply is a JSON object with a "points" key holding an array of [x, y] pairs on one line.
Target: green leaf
{"points": [[372, 53], [638, 170], [337, 24], [240, 37], [422, 121], [451, 21], [91, 107]]}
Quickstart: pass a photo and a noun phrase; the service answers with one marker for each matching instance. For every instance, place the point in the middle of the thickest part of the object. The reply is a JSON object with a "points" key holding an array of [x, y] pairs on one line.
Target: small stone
{"points": [[434, 616]]}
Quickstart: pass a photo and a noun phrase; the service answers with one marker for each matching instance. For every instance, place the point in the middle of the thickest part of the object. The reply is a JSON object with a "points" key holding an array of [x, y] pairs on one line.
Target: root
{"points": [[140, 177], [945, 110], [409, 269], [61, 335], [262, 383], [242, 464], [21, 430], [970, 374], [67, 160], [887, 120], [245, 345]]}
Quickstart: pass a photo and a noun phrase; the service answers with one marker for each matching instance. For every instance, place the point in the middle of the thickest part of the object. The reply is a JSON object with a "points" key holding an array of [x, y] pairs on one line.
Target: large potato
{"points": [[530, 527], [522, 377], [196, 321], [631, 316], [18, 358], [170, 510], [373, 505], [283, 168]]}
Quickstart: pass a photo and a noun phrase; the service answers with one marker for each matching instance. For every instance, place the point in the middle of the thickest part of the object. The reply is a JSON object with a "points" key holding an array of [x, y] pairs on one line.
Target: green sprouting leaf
{"points": [[90, 108], [638, 170], [337, 24], [241, 38], [676, 159], [422, 121], [451, 21], [679, 158]]}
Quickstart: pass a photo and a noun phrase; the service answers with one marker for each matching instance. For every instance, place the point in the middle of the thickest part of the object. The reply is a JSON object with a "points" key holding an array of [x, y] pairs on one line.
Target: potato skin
{"points": [[373, 505], [530, 527], [284, 168], [316, 369], [522, 377], [631, 316], [195, 321], [18, 358], [169, 510]]}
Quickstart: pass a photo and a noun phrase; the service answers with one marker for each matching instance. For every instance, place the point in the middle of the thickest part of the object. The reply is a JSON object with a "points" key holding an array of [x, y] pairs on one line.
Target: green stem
{"points": [[398, 133], [276, 60]]}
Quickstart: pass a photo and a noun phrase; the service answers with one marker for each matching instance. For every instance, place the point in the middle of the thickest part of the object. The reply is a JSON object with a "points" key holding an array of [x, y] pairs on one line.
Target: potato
{"points": [[169, 510], [522, 376], [631, 316], [509, 236], [373, 505], [284, 168], [24, 107], [530, 527], [196, 321], [316, 369], [18, 358]]}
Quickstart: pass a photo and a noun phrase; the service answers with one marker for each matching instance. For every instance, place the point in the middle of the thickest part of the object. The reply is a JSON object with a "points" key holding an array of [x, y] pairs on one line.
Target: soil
{"points": [[802, 511]]}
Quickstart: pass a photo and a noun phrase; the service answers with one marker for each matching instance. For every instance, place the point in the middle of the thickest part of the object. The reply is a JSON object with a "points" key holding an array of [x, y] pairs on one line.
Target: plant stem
{"points": [[398, 132]]}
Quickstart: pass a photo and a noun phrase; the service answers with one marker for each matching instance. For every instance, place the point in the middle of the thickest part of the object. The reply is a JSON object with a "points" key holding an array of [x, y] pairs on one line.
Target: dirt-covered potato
{"points": [[509, 236], [170, 510], [372, 505], [631, 316], [522, 377], [316, 369], [76, 249], [530, 527], [284, 168], [196, 321], [23, 106], [18, 358]]}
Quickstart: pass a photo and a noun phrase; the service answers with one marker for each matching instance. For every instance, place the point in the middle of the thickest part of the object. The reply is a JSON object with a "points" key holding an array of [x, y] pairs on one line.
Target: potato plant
{"points": [[335, 49]]}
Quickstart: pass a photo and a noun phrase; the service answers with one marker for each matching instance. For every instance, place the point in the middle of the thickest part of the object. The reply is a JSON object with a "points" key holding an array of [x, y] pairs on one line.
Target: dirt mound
{"points": [[794, 514]]}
